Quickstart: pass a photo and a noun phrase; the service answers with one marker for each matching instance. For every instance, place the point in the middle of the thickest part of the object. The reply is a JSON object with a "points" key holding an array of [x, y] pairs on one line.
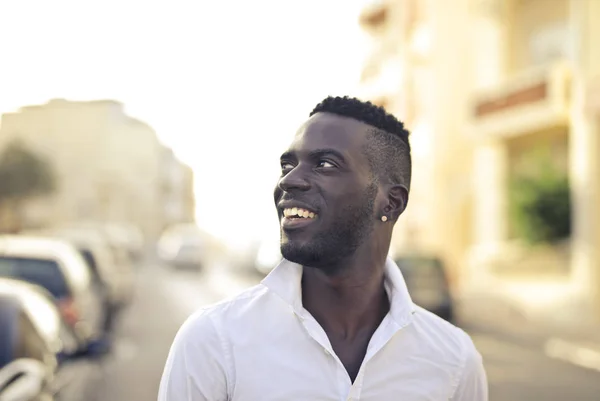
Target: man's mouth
{"points": [[295, 218], [298, 213]]}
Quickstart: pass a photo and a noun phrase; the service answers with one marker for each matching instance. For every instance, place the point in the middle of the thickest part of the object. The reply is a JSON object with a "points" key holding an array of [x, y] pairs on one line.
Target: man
{"points": [[334, 321]]}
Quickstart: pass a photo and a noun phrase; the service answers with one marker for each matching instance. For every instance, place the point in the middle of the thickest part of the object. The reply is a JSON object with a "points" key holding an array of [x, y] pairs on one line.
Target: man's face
{"points": [[326, 194]]}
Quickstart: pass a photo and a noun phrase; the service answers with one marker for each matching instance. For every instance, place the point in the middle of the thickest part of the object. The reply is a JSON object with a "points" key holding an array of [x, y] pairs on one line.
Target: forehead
{"points": [[329, 131]]}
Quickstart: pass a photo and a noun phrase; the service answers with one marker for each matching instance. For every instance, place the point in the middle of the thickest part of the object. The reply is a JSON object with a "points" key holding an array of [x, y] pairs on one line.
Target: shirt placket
{"points": [[381, 337], [356, 388], [349, 391], [314, 330]]}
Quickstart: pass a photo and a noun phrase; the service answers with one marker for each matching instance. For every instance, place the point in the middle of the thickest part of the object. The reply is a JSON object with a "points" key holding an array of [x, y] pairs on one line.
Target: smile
{"points": [[298, 213], [294, 218]]}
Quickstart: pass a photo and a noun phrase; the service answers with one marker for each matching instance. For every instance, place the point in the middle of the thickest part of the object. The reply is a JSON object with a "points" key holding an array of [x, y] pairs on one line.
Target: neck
{"points": [[351, 301]]}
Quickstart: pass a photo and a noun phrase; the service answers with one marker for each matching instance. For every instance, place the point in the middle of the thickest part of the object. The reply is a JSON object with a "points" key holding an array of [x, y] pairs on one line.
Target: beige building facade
{"points": [[481, 85], [108, 165], [178, 190]]}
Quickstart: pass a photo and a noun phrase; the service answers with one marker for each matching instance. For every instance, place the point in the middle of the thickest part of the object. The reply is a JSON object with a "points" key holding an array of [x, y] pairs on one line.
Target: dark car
{"points": [[40, 357], [427, 283]]}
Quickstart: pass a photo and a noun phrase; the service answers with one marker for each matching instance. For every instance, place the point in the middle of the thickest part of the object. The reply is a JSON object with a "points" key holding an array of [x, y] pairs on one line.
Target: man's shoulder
{"points": [[442, 335], [453, 349], [209, 317]]}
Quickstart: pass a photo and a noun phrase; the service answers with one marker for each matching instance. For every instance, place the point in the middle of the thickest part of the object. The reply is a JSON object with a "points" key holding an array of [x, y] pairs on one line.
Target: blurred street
{"points": [[108, 156], [517, 370]]}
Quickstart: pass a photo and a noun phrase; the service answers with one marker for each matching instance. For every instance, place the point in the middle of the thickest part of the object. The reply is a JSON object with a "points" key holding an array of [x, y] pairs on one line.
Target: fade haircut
{"points": [[388, 147]]}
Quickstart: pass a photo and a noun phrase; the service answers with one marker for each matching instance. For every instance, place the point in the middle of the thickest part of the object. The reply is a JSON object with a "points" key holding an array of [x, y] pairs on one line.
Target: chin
{"points": [[311, 256], [303, 254]]}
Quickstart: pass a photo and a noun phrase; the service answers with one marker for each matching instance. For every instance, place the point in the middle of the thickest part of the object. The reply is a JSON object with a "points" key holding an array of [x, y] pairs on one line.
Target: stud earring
{"points": [[384, 218]]}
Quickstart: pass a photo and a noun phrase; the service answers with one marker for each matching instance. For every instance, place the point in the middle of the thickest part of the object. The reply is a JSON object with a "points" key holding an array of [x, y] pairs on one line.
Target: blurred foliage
{"points": [[541, 202], [23, 173]]}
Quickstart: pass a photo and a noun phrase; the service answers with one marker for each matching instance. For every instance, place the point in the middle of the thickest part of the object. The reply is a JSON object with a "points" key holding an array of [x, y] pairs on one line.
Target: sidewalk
{"points": [[577, 342]]}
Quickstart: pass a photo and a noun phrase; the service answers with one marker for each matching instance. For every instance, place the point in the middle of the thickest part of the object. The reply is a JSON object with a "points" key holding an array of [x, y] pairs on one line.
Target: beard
{"points": [[350, 227]]}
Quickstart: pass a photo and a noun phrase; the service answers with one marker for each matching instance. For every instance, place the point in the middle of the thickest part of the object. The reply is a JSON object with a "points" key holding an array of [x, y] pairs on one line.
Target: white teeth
{"points": [[298, 212]]}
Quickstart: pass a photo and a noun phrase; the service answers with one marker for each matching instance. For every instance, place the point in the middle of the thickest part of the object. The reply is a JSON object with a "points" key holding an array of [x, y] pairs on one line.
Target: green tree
{"points": [[23, 174], [541, 203]]}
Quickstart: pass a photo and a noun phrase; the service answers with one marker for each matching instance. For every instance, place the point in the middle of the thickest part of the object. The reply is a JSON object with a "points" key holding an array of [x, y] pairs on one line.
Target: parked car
{"points": [[128, 236], [115, 281], [40, 356], [116, 273], [427, 283], [25, 379], [116, 242], [59, 268], [182, 245]]}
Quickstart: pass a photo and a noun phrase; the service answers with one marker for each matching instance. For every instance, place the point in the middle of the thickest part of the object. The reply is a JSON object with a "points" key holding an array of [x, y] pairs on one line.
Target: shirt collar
{"points": [[285, 281]]}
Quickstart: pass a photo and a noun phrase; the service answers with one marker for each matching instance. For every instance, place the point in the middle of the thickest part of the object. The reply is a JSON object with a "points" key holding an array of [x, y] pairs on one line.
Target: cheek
{"points": [[351, 198], [380, 201]]}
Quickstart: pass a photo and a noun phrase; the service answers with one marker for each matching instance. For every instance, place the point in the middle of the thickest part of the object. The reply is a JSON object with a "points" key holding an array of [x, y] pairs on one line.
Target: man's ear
{"points": [[397, 201]]}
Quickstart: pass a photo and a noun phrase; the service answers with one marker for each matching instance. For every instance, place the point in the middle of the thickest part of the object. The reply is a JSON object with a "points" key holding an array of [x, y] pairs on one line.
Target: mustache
{"points": [[308, 202]]}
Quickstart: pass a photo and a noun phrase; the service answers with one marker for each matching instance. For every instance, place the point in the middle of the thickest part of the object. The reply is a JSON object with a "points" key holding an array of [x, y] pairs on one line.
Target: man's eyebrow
{"points": [[327, 151], [292, 155], [288, 155]]}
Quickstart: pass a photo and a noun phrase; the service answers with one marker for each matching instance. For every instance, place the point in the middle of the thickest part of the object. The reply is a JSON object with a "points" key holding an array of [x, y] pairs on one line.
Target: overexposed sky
{"points": [[225, 83]]}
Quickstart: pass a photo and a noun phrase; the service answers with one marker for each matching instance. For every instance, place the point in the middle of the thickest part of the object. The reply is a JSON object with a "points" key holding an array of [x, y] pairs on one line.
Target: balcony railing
{"points": [[528, 102]]}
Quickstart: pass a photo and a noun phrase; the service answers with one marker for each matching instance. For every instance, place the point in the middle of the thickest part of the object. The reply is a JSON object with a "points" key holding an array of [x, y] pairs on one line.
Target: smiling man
{"points": [[334, 321]]}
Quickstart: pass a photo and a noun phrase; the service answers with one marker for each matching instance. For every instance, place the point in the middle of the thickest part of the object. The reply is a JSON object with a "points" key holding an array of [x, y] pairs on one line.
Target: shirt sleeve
{"points": [[196, 366], [472, 385]]}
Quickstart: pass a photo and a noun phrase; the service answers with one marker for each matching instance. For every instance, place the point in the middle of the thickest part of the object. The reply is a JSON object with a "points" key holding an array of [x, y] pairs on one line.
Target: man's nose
{"points": [[294, 180]]}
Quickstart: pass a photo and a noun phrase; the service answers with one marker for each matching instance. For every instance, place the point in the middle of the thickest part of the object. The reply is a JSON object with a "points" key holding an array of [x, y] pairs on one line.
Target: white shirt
{"points": [[263, 345]]}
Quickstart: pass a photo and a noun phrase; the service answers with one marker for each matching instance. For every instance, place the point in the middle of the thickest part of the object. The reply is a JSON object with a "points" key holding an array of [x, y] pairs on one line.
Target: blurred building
{"points": [[482, 84], [108, 164], [178, 190]]}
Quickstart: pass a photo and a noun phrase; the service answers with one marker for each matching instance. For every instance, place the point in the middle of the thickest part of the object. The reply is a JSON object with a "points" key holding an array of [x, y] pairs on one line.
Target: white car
{"points": [[127, 236], [118, 279], [59, 268], [183, 245]]}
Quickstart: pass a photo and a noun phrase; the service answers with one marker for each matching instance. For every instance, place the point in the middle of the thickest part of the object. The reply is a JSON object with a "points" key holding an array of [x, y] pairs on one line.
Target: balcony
{"points": [[535, 100]]}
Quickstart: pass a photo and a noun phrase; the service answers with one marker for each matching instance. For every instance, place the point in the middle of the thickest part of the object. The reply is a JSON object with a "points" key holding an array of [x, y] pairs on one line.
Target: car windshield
{"points": [[8, 331], [418, 269], [43, 272]]}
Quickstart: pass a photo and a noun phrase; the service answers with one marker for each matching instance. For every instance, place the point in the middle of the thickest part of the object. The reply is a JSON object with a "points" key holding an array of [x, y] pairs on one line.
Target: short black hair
{"points": [[388, 147]]}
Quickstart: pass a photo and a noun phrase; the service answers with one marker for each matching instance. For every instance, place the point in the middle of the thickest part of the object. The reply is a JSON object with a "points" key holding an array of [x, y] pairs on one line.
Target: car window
{"points": [[422, 270], [43, 272], [422, 266], [8, 330]]}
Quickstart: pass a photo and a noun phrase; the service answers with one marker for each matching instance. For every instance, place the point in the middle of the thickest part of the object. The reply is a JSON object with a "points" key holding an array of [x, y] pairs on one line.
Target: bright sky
{"points": [[225, 83]]}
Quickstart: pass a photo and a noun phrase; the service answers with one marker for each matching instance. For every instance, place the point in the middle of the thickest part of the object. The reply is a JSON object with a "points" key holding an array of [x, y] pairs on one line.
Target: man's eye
{"points": [[286, 166], [325, 164]]}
